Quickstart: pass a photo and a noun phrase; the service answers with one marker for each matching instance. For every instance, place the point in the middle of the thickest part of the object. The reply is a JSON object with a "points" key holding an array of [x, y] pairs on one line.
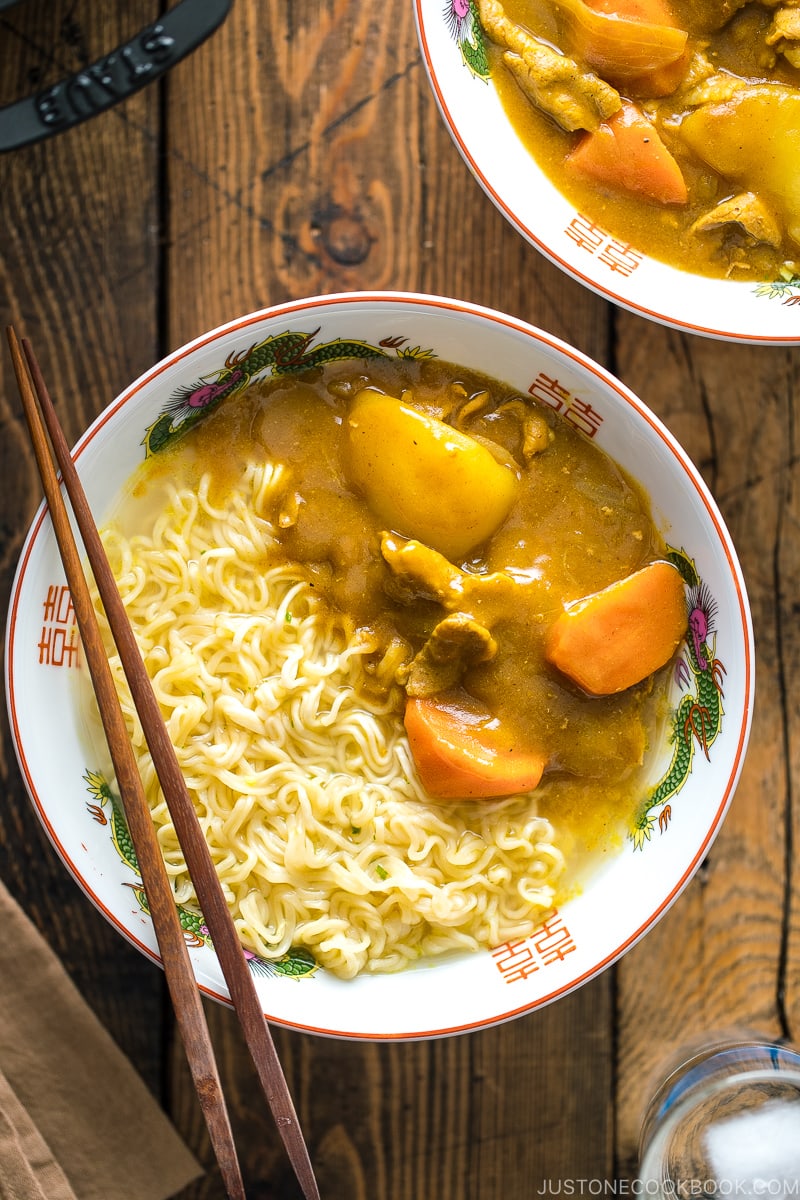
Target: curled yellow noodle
{"points": [[301, 779]]}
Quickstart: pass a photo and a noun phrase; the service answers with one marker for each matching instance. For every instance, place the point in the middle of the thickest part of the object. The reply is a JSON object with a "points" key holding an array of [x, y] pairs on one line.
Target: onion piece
{"points": [[618, 46]]}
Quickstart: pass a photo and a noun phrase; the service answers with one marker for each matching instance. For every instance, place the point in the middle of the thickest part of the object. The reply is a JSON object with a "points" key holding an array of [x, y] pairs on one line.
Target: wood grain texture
{"points": [[79, 267], [717, 959], [300, 151]]}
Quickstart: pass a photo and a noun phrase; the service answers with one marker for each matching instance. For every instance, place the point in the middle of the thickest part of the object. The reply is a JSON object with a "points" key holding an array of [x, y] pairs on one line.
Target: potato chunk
{"points": [[423, 478], [753, 138]]}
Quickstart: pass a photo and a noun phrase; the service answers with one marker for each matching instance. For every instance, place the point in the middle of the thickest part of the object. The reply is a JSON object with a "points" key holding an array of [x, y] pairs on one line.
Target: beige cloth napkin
{"points": [[76, 1120]]}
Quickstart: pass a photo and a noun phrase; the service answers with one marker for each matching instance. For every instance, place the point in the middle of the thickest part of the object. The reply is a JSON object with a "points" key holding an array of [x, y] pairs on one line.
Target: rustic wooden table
{"points": [[299, 151]]}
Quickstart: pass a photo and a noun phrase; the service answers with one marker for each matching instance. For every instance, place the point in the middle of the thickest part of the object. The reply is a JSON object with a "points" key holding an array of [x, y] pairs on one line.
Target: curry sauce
{"points": [[577, 524]]}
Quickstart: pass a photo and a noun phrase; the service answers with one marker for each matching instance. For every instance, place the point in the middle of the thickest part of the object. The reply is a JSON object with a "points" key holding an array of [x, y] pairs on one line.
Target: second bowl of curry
{"points": [[651, 148]]}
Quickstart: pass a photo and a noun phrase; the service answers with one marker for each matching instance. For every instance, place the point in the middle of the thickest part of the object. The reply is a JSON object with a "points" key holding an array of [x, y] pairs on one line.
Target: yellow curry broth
{"points": [[578, 524], [665, 231]]}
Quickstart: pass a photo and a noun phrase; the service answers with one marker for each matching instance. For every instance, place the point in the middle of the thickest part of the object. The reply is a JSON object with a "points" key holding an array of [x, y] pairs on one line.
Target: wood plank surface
{"points": [[299, 151], [79, 271], [718, 958]]}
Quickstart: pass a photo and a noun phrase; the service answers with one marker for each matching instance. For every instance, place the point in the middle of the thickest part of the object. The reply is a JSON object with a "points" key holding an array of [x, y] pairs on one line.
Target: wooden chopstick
{"points": [[186, 998], [195, 849]]}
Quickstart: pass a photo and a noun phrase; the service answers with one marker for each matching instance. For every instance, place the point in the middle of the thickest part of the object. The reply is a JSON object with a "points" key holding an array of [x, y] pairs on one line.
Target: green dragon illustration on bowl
{"points": [[279, 354], [697, 719], [464, 24]]}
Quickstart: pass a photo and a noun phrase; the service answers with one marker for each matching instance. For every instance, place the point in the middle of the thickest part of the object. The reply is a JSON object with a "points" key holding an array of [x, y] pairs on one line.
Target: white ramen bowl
{"points": [[766, 312], [624, 897]]}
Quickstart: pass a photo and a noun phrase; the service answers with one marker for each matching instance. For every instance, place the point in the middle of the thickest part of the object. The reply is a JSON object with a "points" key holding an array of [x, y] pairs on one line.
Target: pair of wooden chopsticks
{"points": [[183, 989]]}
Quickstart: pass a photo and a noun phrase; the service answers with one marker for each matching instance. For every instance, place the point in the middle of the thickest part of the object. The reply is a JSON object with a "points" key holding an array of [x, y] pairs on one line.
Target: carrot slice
{"points": [[617, 637], [626, 153], [460, 755]]}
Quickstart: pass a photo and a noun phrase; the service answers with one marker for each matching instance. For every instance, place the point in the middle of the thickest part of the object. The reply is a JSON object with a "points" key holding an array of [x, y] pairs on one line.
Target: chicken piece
{"points": [[716, 88], [472, 406], [536, 433], [746, 210], [457, 642], [699, 69], [784, 33], [574, 98], [421, 571]]}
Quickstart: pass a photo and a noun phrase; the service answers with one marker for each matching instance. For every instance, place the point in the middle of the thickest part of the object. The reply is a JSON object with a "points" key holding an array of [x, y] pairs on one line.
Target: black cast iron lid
{"points": [[112, 78]]}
